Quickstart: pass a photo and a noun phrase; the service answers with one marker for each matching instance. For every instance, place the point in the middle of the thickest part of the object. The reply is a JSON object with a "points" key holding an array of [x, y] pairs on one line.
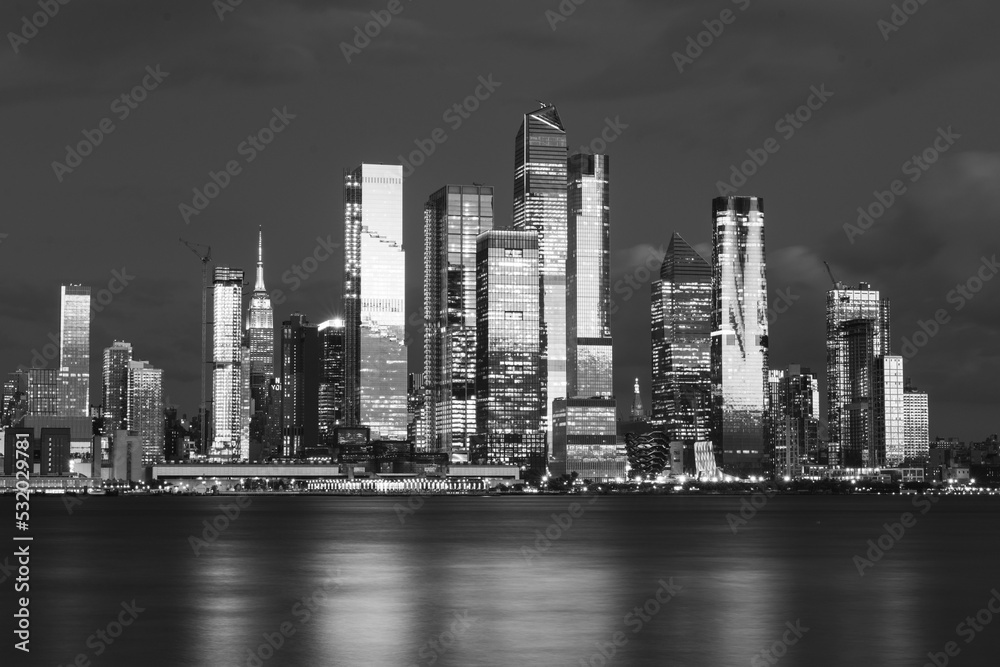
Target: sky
{"points": [[686, 92]]}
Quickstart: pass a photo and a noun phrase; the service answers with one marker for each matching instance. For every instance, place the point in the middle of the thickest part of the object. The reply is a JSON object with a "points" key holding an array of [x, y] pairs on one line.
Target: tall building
{"points": [[638, 412], [145, 409], [43, 392], [114, 386], [508, 351], [857, 337], [331, 380], [227, 372], [793, 419], [374, 300], [540, 205], [888, 411], [454, 217], [300, 385], [260, 332], [74, 351], [916, 433], [739, 335], [416, 427], [681, 312], [15, 399]]}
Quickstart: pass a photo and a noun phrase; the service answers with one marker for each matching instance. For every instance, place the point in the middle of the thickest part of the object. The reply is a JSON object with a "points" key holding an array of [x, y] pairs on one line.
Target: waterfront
{"points": [[476, 581]]}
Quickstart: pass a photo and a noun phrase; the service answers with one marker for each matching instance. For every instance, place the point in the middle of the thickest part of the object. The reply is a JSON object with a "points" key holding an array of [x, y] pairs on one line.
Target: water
{"points": [[451, 582]]}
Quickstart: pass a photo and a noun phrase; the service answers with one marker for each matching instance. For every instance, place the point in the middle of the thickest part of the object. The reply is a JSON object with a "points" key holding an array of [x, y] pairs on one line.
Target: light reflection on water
{"points": [[452, 585]]}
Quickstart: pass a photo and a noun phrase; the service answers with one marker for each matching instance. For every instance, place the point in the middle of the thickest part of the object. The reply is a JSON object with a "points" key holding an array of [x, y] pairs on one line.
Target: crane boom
{"points": [[205, 258]]}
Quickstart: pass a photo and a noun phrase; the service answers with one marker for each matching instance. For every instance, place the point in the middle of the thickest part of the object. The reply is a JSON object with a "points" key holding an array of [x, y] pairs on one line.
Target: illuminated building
{"points": [[739, 336], [793, 419], [144, 403], [454, 217], [227, 374], [540, 205], [508, 350], [43, 392], [260, 334], [916, 434], [331, 381], [114, 386], [300, 386], [374, 291], [681, 312], [74, 351]]}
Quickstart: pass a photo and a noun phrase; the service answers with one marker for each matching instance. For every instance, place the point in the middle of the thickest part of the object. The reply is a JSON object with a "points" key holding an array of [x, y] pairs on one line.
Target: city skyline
{"points": [[815, 183]]}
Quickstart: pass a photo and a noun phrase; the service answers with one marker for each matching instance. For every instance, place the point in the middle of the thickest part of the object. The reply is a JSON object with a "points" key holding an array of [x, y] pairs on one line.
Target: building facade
{"points": [[374, 300], [74, 351], [331, 381], [916, 431], [454, 217], [260, 335], [681, 314], [114, 386], [739, 335], [508, 351], [227, 371], [300, 386], [144, 402], [793, 420], [540, 205]]}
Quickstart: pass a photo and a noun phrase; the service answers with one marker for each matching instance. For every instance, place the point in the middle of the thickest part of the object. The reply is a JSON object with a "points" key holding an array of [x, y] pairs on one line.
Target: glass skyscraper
{"points": [[145, 409], [454, 217], [857, 336], [114, 386], [739, 335], [227, 372], [374, 300], [260, 335], [682, 344], [331, 380], [300, 386], [540, 204], [508, 351], [74, 351], [916, 434], [793, 419], [43, 392]]}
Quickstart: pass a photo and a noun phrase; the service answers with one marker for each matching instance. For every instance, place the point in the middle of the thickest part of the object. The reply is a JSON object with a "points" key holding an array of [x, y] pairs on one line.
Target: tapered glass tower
{"points": [[682, 343], [540, 204], [227, 355], [374, 291], [454, 217], [739, 335], [74, 351]]}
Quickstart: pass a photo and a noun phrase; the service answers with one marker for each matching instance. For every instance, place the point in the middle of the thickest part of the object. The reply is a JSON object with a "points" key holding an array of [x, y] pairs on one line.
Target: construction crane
{"points": [[836, 283], [205, 258]]}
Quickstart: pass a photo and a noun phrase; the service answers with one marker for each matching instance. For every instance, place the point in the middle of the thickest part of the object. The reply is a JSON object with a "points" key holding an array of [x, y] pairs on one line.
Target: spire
{"points": [[259, 286], [637, 411]]}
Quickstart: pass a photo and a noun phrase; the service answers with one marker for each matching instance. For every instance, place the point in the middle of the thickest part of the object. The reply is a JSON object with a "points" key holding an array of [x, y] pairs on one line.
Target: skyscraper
{"points": [[114, 386], [331, 380], [74, 351], [739, 335], [260, 332], [300, 384], [454, 217], [145, 409], [857, 337], [15, 399], [916, 434], [227, 373], [540, 204], [681, 312], [508, 350], [374, 300], [585, 423], [43, 392], [793, 419]]}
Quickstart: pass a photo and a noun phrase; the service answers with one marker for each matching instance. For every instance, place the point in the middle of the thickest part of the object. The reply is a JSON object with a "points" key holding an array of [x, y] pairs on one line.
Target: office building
{"points": [[74, 351], [540, 205], [739, 336], [145, 409], [114, 386], [43, 392], [227, 373], [15, 399], [331, 381], [916, 432], [508, 351], [300, 383], [260, 334], [374, 300], [681, 312], [793, 420], [454, 217]]}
